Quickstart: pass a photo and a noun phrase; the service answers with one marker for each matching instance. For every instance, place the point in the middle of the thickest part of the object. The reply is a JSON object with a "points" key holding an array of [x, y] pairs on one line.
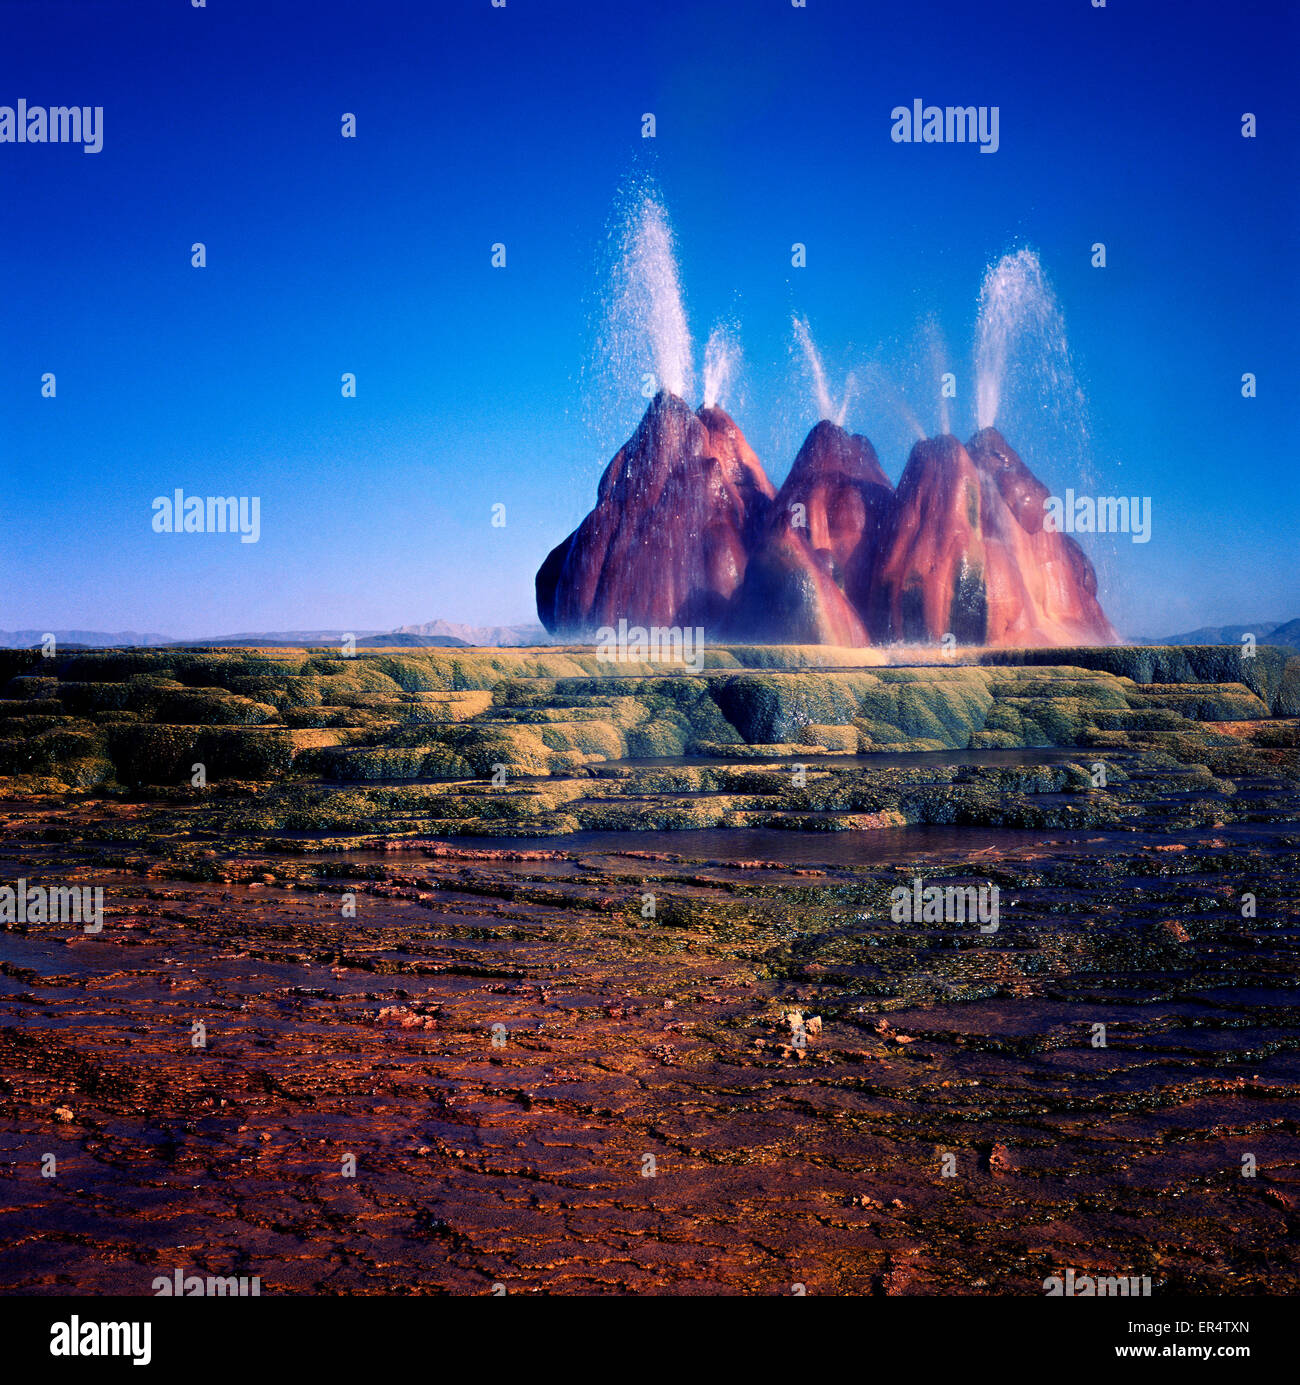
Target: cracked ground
{"points": [[347, 1004]]}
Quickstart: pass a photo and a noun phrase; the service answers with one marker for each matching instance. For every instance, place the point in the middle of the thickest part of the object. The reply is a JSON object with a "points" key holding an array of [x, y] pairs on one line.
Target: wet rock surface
{"points": [[686, 529], [809, 575], [667, 541], [775, 1161], [966, 551], [703, 1056]]}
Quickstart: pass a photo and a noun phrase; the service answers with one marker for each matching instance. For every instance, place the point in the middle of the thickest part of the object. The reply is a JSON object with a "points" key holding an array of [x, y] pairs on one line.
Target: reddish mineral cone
{"points": [[847, 503], [666, 542], [968, 554], [790, 596], [740, 466], [930, 578], [814, 563], [1042, 589], [686, 530]]}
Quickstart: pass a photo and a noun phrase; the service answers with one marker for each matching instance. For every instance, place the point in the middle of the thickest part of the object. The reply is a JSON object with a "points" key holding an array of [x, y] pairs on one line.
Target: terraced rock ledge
{"points": [[501, 924]]}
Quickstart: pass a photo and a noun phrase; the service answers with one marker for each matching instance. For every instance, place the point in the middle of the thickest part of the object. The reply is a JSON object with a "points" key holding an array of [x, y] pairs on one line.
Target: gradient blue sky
{"points": [[519, 125]]}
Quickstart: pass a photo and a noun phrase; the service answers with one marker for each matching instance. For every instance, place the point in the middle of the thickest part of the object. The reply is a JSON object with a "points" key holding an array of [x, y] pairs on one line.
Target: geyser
{"points": [[645, 320], [968, 555], [688, 531], [826, 405], [809, 577], [721, 364], [1020, 330]]}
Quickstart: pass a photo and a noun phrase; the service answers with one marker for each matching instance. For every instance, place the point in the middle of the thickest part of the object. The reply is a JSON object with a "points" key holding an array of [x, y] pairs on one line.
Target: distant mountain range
{"points": [[446, 634], [494, 636], [99, 639], [432, 634], [25, 639], [1285, 633]]}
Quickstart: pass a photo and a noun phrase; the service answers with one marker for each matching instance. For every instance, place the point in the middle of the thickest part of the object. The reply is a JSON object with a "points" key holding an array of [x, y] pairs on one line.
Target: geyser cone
{"points": [[1019, 488], [930, 574], [790, 596], [740, 466], [1042, 589], [666, 542], [686, 531], [847, 504], [816, 557], [968, 554]]}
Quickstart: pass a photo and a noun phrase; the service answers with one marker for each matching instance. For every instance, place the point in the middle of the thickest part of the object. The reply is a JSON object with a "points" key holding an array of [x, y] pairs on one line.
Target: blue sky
{"points": [[520, 125]]}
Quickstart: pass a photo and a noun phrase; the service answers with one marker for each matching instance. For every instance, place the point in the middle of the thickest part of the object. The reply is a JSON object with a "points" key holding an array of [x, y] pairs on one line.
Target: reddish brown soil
{"points": [[523, 1165]]}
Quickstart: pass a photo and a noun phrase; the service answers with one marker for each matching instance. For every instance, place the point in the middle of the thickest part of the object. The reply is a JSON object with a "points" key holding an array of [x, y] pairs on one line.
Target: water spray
{"points": [[721, 364], [826, 406]]}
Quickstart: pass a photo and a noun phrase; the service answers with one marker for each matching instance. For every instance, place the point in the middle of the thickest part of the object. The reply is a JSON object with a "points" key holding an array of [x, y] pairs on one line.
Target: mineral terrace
{"points": [[442, 970]]}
